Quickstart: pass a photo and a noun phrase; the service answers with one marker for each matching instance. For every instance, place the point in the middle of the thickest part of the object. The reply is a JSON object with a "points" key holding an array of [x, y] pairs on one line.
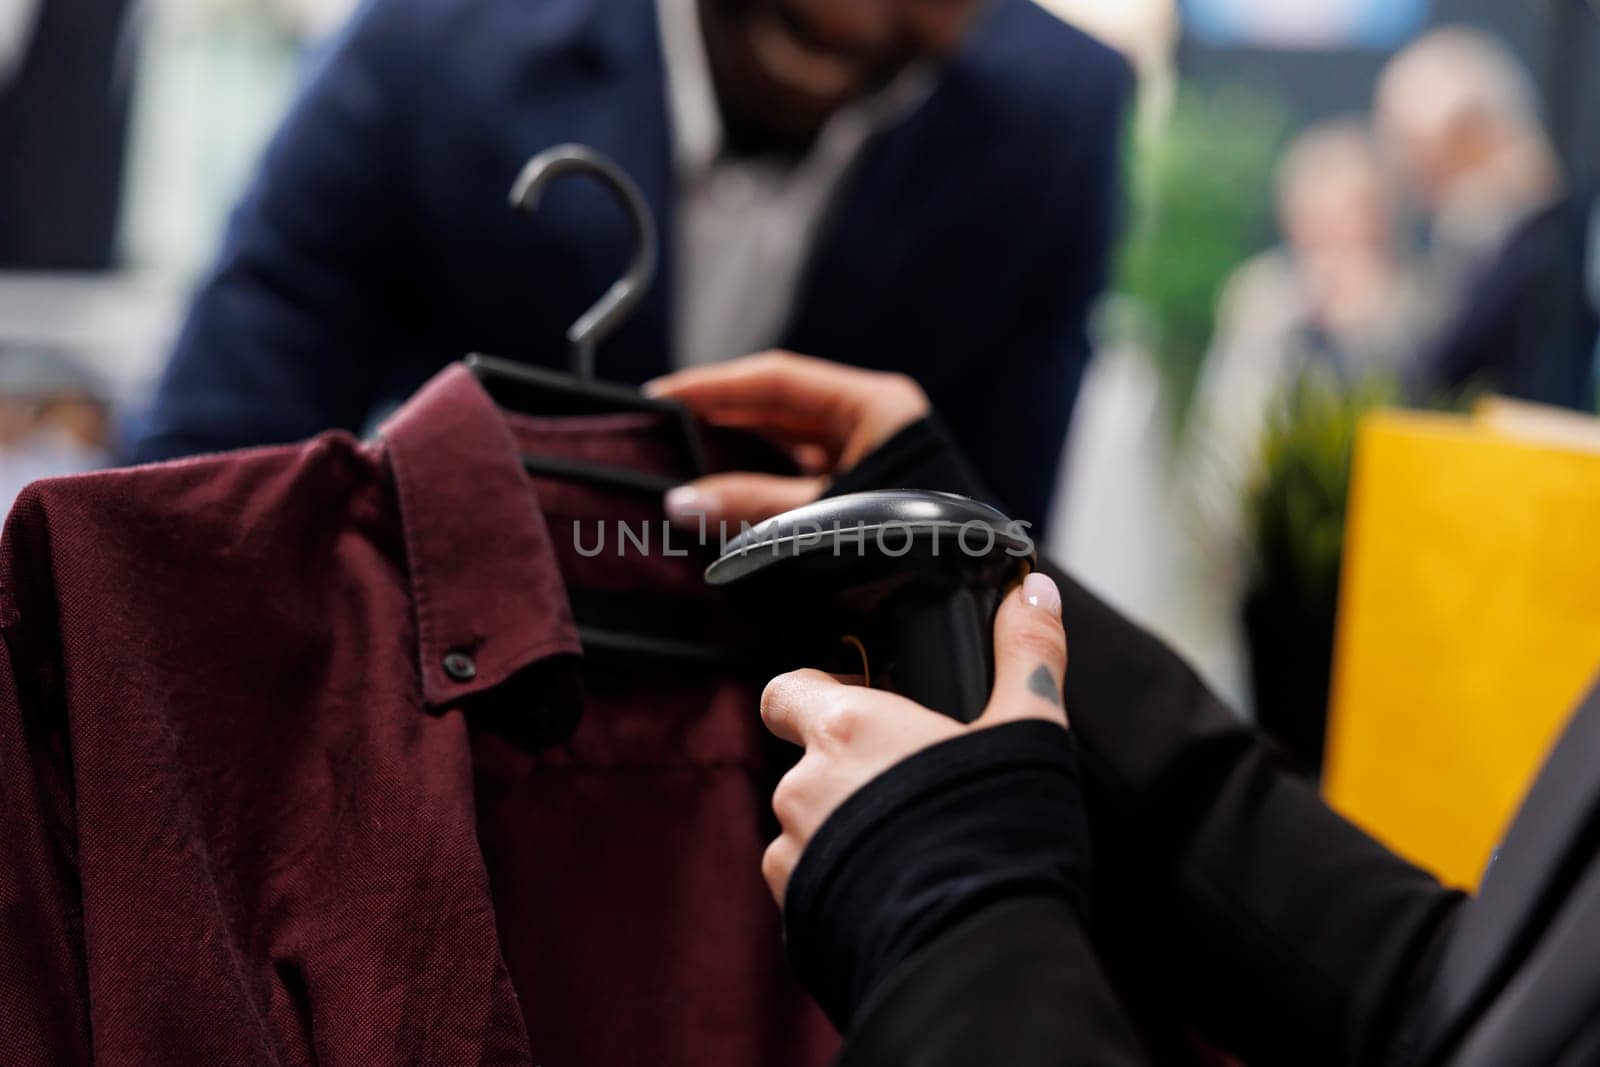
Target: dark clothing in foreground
{"points": [[1228, 901]]}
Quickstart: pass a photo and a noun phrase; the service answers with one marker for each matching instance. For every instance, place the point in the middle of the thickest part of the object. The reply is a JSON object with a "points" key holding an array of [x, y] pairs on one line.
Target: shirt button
{"points": [[460, 666]]}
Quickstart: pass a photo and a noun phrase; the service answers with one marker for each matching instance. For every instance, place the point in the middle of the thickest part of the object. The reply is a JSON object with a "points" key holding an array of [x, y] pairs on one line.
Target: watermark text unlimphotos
{"points": [[891, 538]]}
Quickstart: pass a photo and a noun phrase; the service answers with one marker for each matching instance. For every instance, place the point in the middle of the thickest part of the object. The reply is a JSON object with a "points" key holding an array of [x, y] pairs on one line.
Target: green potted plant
{"points": [[1199, 193], [1295, 518]]}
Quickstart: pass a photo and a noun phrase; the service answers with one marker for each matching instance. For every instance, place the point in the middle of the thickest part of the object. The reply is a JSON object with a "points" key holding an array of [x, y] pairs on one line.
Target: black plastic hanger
{"points": [[538, 391], [607, 627]]}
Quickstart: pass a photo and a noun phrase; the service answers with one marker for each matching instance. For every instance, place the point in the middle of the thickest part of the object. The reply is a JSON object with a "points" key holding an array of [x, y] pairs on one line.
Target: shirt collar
{"points": [[697, 131], [488, 594], [691, 96]]}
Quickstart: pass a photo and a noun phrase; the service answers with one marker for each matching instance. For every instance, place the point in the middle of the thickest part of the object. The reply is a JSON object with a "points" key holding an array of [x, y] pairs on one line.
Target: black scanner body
{"points": [[901, 586]]}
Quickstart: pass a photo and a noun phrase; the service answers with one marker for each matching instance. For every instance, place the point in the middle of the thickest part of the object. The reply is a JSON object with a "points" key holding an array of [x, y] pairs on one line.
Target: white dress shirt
{"points": [[745, 227]]}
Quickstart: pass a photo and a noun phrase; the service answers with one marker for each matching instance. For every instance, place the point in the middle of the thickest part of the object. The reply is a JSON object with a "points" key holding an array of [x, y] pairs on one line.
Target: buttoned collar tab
{"points": [[487, 592]]}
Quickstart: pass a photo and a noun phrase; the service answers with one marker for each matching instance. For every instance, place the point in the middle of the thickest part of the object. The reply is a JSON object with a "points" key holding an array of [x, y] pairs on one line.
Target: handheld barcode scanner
{"points": [[907, 581]]}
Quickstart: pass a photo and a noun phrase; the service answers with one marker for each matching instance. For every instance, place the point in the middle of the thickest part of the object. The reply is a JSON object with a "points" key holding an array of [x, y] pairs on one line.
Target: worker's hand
{"points": [[852, 734], [828, 415]]}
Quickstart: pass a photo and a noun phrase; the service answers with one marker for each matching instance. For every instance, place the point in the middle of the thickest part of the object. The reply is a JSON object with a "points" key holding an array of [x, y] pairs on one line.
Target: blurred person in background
{"points": [[924, 186], [64, 90], [1338, 299], [1461, 117], [55, 418]]}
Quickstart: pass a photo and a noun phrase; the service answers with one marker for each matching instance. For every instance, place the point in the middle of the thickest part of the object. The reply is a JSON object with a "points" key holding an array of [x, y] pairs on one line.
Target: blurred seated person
{"points": [[1336, 299], [55, 418], [1461, 117], [923, 186]]}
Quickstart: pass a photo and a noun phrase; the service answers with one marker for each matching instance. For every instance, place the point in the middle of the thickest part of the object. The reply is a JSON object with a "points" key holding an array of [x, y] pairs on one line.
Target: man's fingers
{"points": [[738, 497], [811, 459], [798, 386], [791, 703], [770, 379], [845, 412], [1030, 654]]}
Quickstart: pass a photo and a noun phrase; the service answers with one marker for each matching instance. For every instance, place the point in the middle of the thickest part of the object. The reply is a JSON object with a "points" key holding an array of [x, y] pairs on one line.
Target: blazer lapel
{"points": [[877, 232], [624, 115]]}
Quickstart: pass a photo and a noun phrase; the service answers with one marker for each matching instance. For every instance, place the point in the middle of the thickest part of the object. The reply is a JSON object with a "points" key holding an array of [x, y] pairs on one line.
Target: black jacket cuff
{"points": [[1018, 984], [988, 816]]}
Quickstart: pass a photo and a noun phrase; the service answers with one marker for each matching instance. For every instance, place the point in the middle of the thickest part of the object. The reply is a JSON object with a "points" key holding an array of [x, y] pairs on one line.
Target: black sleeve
{"points": [[986, 816], [1016, 984], [1227, 897], [938, 913]]}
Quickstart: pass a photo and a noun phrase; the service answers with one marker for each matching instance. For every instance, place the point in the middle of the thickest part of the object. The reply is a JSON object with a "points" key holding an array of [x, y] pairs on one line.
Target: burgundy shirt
{"points": [[288, 769]]}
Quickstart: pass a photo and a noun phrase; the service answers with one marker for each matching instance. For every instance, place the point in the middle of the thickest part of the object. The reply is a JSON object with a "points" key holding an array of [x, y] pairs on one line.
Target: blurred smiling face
{"points": [[783, 67]]}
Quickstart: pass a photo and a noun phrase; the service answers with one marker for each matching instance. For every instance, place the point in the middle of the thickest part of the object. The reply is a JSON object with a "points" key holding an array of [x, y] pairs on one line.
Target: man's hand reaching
{"points": [[829, 416]]}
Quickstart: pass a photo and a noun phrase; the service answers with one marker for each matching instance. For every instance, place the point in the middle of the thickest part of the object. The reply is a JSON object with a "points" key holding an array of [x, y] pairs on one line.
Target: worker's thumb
{"points": [[739, 498], [1030, 654]]}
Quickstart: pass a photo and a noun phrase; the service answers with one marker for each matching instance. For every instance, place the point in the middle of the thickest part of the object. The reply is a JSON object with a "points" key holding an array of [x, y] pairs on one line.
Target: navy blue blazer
{"points": [[375, 244]]}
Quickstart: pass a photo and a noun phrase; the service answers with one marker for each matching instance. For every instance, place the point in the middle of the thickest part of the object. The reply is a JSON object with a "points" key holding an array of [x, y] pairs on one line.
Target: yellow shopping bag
{"points": [[1469, 624]]}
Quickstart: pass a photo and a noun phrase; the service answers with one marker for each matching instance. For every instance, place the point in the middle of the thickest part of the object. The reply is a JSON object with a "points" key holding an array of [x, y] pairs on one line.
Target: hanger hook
{"points": [[612, 309]]}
